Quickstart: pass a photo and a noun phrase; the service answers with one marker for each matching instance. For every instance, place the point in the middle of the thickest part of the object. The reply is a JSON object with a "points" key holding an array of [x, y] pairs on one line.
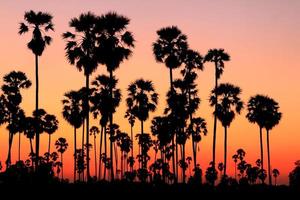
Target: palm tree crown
{"points": [[41, 23]]}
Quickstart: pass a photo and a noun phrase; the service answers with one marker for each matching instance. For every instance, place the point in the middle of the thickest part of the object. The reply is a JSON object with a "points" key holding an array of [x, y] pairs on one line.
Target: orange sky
{"points": [[262, 38]]}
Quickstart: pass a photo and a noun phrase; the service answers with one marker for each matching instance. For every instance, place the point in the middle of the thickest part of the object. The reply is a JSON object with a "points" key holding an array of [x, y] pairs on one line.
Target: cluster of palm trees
{"points": [[105, 40]]}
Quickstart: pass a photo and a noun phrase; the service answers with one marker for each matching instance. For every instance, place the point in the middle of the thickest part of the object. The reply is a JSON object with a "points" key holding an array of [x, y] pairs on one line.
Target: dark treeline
{"points": [[105, 40]]}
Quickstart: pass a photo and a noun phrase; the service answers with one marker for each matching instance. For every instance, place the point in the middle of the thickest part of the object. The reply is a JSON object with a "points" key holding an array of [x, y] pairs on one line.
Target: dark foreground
{"points": [[143, 191]]}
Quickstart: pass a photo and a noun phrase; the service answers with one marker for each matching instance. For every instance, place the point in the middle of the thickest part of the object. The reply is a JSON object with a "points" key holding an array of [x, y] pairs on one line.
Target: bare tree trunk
{"points": [[95, 152]]}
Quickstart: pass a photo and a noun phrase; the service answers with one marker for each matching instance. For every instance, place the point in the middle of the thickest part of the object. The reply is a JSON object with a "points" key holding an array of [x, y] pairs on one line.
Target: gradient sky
{"points": [[262, 37]]}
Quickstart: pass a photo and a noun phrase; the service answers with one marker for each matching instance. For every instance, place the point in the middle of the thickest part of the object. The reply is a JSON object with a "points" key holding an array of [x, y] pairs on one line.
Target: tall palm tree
{"points": [[81, 52], [218, 57], [273, 117], [40, 23], [61, 146], [13, 82], [169, 48], [228, 105], [144, 98], [257, 107], [102, 105], [94, 131], [73, 114], [115, 46], [131, 119]]}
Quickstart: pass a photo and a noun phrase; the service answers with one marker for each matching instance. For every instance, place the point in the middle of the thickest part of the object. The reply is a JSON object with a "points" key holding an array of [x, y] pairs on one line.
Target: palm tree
{"points": [[227, 106], [275, 173], [131, 119], [40, 23], [102, 105], [115, 46], [218, 57], [94, 131], [61, 146], [50, 126], [73, 114], [144, 100], [258, 106], [11, 100], [273, 116], [80, 51], [170, 49]]}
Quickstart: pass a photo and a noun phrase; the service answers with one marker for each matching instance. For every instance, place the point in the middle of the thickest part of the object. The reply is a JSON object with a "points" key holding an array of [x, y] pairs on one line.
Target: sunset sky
{"points": [[262, 37]]}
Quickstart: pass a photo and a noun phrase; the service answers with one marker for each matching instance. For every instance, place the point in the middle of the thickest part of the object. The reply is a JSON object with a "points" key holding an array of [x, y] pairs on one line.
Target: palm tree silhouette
{"points": [[94, 131], [73, 114], [40, 23], [227, 106], [170, 49], [218, 57], [61, 146], [115, 45], [11, 99], [258, 112], [102, 105], [131, 119], [50, 125], [81, 52], [144, 100], [273, 117]]}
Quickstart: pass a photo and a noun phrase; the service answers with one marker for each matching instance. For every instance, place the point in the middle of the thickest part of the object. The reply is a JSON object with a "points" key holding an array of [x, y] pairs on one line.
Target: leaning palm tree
{"points": [[80, 51], [61, 146], [257, 107], [73, 114], [115, 45], [273, 117], [218, 57], [144, 98], [40, 23], [102, 105], [11, 99], [228, 105]]}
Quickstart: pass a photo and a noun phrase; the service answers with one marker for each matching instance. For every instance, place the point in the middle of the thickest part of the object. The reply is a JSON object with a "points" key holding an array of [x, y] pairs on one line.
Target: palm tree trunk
{"points": [[100, 154], [62, 167], [87, 127], [261, 150], [110, 125], [95, 152], [131, 133], [49, 144], [82, 146], [176, 160], [105, 152], [142, 146], [10, 141], [19, 148], [225, 150], [75, 156], [37, 135], [215, 121], [116, 159], [183, 158], [269, 159]]}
